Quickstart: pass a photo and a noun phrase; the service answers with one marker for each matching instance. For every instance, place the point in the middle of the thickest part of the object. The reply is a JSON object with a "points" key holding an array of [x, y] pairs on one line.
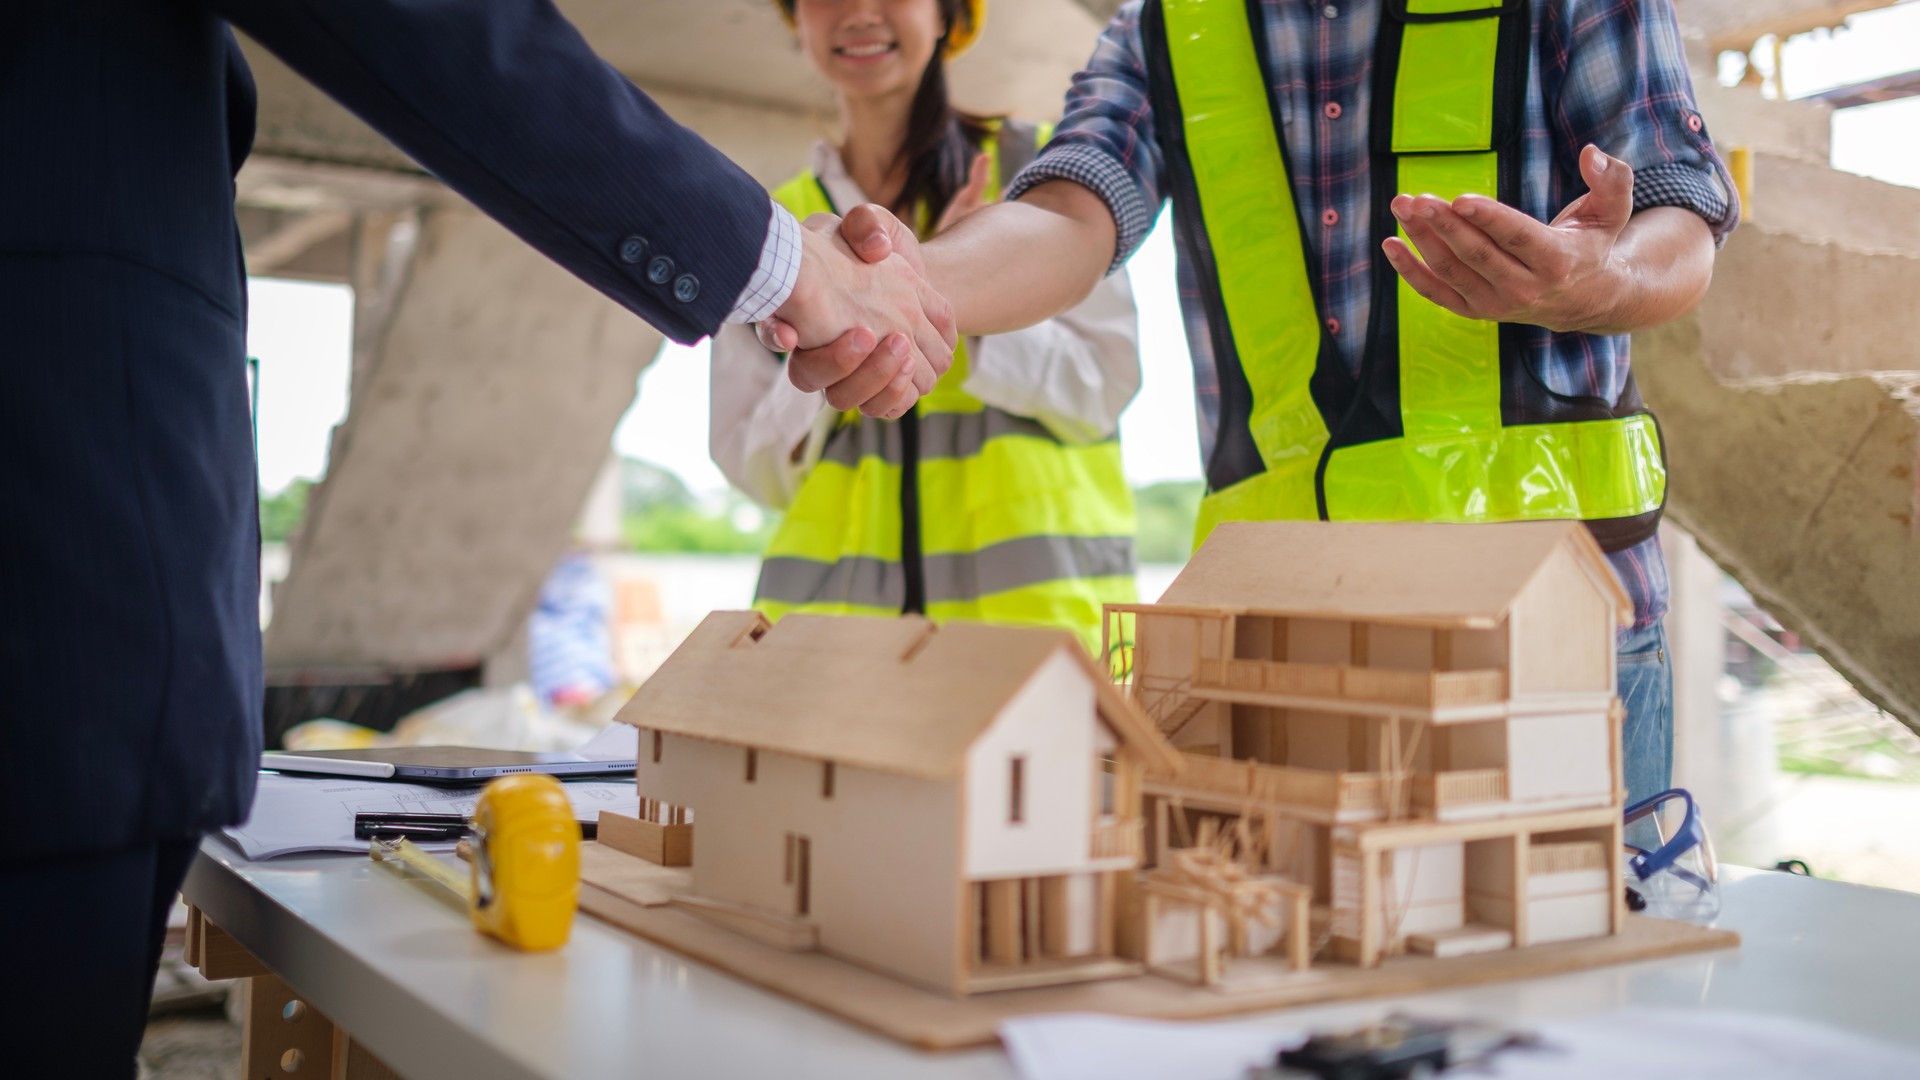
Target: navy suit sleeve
{"points": [[505, 103]]}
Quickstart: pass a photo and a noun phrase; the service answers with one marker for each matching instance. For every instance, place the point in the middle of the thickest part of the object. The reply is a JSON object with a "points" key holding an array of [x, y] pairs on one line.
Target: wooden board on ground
{"points": [[933, 1021]]}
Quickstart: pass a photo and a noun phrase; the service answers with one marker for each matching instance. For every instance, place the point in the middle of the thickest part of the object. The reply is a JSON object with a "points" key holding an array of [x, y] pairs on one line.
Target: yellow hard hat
{"points": [[966, 28]]}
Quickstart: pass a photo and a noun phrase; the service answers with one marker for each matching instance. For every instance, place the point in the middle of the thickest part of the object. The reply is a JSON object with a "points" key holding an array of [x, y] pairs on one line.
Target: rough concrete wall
{"points": [[1803, 486], [1737, 24], [465, 460]]}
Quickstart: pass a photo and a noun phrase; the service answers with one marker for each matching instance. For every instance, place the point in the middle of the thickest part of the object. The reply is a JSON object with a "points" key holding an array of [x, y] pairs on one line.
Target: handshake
{"points": [[862, 324]]}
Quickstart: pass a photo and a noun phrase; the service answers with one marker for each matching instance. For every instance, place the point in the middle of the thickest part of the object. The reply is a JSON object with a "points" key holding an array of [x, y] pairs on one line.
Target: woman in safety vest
{"points": [[1000, 496]]}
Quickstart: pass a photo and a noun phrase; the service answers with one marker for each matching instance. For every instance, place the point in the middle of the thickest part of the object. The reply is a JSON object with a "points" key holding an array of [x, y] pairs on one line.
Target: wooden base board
{"points": [[931, 1021], [1471, 938]]}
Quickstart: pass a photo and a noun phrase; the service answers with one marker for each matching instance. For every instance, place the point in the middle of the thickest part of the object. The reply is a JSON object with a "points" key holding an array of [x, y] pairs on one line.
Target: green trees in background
{"points": [[282, 512], [660, 514], [1167, 511]]}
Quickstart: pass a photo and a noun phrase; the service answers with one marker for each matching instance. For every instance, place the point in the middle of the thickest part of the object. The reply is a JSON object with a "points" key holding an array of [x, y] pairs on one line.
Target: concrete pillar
{"points": [[1697, 643], [1801, 483], [468, 453]]}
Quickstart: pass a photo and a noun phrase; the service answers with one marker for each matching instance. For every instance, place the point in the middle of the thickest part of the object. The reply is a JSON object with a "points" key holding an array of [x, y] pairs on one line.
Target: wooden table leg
{"points": [[282, 1037]]}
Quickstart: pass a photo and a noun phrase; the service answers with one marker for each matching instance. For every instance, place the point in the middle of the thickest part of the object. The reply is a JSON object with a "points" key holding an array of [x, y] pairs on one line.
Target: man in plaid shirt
{"points": [[1621, 202]]}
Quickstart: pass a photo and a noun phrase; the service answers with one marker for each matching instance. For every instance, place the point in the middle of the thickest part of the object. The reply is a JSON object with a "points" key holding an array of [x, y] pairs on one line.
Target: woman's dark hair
{"points": [[941, 140]]}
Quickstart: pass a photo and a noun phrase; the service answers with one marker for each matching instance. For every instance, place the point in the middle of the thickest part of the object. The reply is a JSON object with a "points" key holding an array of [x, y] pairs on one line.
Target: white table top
{"points": [[402, 970]]}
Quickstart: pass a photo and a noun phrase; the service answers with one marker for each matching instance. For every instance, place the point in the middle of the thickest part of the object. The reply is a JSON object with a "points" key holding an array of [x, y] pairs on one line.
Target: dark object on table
{"points": [[1793, 866], [424, 828], [1399, 1048], [1635, 902]]}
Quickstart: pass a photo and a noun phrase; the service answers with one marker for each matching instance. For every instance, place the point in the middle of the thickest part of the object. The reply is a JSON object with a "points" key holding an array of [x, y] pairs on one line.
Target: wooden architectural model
{"points": [[1327, 745], [957, 806], [1417, 721]]}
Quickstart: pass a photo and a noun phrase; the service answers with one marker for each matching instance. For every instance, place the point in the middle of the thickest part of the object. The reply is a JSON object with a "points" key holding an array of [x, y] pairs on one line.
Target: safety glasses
{"points": [[1678, 877]]}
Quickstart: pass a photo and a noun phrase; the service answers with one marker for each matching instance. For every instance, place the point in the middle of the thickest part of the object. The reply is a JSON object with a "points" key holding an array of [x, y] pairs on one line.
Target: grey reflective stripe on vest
{"points": [[942, 435], [870, 582]]}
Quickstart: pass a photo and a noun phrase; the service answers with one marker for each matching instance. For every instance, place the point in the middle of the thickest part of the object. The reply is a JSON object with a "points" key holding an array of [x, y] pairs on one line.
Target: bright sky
{"points": [[301, 332]]}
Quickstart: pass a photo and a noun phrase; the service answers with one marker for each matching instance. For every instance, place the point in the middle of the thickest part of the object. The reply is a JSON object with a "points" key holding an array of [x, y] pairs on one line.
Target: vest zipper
{"points": [[912, 559]]}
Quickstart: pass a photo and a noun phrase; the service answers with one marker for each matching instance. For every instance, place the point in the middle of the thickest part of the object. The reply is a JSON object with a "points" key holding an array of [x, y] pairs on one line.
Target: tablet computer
{"points": [[440, 764]]}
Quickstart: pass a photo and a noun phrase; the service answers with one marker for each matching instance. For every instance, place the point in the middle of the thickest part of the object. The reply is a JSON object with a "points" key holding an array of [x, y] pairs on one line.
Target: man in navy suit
{"points": [[130, 671]]}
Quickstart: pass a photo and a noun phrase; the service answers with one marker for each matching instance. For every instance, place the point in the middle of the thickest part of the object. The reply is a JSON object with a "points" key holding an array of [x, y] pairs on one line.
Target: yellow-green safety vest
{"points": [[1447, 420], [958, 510]]}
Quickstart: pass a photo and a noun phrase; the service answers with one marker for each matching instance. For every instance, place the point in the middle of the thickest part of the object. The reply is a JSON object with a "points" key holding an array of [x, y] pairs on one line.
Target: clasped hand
{"points": [[1479, 258], [862, 323]]}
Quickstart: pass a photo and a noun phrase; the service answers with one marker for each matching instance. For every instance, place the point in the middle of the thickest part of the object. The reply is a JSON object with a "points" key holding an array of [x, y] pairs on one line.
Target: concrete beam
{"points": [[293, 237], [1737, 24], [1803, 485], [1100, 9], [469, 450], [1737, 116]]}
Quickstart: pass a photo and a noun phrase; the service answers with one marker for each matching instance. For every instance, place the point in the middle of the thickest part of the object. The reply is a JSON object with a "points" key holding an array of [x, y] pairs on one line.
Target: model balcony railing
{"points": [[1563, 858], [1422, 689], [1464, 787], [1259, 783], [1118, 839]]}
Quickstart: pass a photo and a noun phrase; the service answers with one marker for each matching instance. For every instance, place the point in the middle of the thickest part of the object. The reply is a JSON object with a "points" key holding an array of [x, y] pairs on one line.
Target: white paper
{"points": [[1698, 1044], [616, 742], [1073, 1046], [1706, 1044], [298, 813]]}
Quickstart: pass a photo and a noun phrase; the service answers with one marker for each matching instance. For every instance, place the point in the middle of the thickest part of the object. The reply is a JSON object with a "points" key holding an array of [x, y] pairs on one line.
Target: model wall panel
{"points": [[1319, 641], [1317, 740], [1399, 648], [1478, 650], [895, 904], [1424, 891], [1563, 638], [1164, 645], [1051, 727], [1083, 914], [1476, 746], [1564, 918], [884, 849], [1558, 757]]}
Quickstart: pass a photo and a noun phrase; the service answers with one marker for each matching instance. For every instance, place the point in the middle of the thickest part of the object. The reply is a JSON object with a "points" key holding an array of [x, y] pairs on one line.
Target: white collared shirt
{"points": [[1074, 373]]}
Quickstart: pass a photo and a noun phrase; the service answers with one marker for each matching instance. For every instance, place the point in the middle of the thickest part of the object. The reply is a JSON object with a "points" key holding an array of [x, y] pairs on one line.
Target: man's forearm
{"points": [[1011, 265], [1663, 263]]}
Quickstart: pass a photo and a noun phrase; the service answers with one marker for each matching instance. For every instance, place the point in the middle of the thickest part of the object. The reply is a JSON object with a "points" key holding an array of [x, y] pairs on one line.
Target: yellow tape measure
{"points": [[523, 885]]}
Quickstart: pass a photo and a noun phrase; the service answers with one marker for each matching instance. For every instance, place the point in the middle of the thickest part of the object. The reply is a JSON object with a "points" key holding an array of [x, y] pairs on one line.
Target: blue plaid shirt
{"points": [[1607, 72]]}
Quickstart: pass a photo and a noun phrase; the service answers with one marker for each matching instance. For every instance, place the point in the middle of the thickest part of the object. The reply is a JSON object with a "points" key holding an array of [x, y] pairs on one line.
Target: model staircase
{"points": [[1183, 710], [1169, 703]]}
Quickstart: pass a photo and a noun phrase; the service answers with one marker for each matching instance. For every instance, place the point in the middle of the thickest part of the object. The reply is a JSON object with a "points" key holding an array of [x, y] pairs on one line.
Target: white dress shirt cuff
{"points": [[772, 280]]}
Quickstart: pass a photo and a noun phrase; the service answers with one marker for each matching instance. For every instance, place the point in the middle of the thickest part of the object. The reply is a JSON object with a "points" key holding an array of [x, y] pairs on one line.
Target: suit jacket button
{"points": [[633, 249], [660, 270], [685, 288]]}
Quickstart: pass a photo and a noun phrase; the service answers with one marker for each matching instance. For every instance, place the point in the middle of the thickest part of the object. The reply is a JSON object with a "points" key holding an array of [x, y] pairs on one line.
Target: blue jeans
{"points": [[1646, 689]]}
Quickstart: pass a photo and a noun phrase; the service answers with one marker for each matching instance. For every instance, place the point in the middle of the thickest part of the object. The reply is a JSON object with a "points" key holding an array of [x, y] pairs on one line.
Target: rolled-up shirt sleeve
{"points": [[1624, 87], [1105, 141]]}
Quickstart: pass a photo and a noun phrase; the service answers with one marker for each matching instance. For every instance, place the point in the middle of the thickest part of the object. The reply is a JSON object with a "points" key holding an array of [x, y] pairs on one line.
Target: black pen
{"points": [[428, 826]]}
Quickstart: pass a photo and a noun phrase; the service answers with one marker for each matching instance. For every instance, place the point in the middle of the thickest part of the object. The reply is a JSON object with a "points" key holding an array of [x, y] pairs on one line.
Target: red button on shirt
{"points": [[1333, 326], [1329, 217], [1333, 110], [1693, 121]]}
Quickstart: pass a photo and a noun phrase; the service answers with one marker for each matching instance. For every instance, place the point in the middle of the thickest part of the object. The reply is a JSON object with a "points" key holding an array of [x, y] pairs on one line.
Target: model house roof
{"points": [[1417, 573], [900, 695]]}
